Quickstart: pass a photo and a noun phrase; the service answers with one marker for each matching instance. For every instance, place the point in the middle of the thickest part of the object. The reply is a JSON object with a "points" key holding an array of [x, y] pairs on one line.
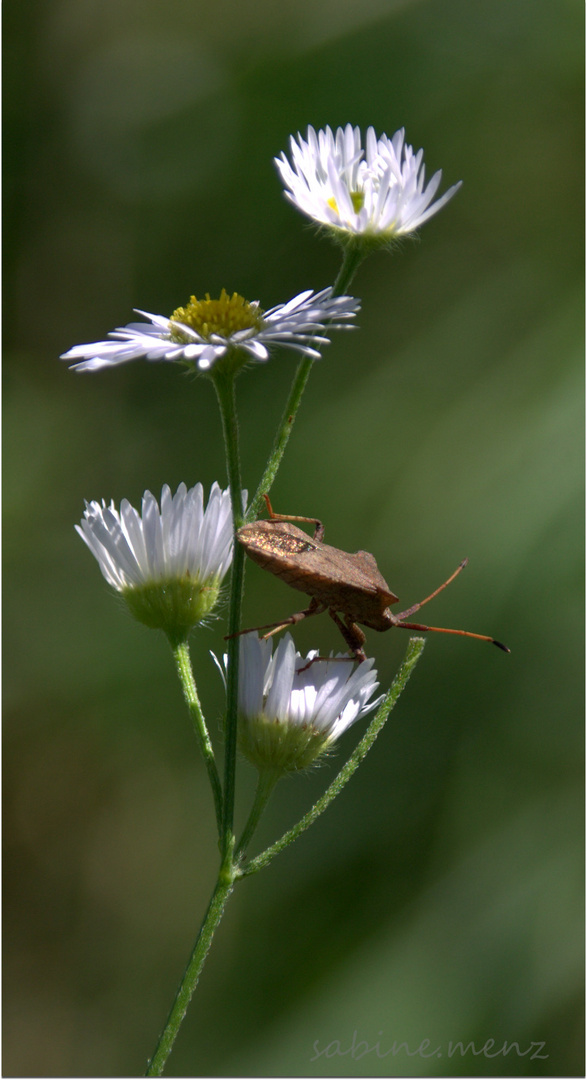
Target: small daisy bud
{"points": [[289, 716], [363, 196], [168, 563]]}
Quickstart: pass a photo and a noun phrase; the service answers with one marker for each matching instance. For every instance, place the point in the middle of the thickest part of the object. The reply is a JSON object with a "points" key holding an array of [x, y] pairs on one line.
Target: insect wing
{"points": [[367, 563], [276, 540], [354, 573]]}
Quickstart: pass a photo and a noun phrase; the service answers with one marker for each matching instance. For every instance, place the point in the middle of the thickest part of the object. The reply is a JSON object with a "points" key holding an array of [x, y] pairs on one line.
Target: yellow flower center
{"points": [[224, 316], [357, 199]]}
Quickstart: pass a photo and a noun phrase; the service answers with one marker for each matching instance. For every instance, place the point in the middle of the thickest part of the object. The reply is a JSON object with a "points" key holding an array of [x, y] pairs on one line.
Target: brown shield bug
{"points": [[344, 584]]}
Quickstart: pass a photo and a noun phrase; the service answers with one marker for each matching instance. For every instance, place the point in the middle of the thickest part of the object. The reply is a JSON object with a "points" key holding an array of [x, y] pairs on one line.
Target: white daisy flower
{"points": [[205, 331], [288, 715], [167, 563], [377, 192]]}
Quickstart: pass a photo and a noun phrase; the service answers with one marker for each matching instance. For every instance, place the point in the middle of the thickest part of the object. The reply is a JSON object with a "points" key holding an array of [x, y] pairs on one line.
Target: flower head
{"points": [[377, 193], [288, 715], [206, 331], [167, 563]]}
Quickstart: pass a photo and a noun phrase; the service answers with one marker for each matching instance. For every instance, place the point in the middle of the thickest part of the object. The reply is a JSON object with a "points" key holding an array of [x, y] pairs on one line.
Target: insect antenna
{"points": [[416, 607], [447, 630], [401, 616]]}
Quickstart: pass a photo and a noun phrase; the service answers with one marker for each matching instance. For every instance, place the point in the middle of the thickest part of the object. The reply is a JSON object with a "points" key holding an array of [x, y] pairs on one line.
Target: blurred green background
{"points": [[441, 896]]}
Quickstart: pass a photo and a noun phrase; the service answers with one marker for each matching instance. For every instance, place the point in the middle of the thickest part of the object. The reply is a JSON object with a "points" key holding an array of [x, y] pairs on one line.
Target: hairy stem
{"points": [[225, 390], [353, 256], [183, 663], [224, 887], [265, 784]]}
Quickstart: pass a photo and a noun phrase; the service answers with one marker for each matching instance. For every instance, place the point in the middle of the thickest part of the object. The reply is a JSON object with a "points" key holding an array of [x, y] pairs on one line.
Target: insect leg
{"points": [[416, 607], [315, 608], [351, 639], [351, 633], [318, 526]]}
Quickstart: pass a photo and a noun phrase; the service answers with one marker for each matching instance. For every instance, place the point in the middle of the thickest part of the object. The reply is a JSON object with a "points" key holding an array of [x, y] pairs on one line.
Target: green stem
{"points": [[353, 256], [225, 390], [282, 437], [266, 783], [354, 253], [182, 659], [411, 658], [224, 887]]}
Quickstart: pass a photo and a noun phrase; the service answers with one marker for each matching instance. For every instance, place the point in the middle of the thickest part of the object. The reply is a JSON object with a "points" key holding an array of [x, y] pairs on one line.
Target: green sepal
{"points": [[275, 746], [175, 606], [362, 244]]}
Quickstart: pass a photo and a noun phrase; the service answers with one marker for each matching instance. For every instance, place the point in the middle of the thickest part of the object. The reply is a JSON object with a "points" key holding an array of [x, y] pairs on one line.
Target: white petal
{"points": [[277, 704], [328, 167], [169, 543]]}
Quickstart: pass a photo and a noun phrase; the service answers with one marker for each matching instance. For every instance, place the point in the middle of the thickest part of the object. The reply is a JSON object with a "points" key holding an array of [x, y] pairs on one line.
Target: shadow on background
{"points": [[441, 898]]}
